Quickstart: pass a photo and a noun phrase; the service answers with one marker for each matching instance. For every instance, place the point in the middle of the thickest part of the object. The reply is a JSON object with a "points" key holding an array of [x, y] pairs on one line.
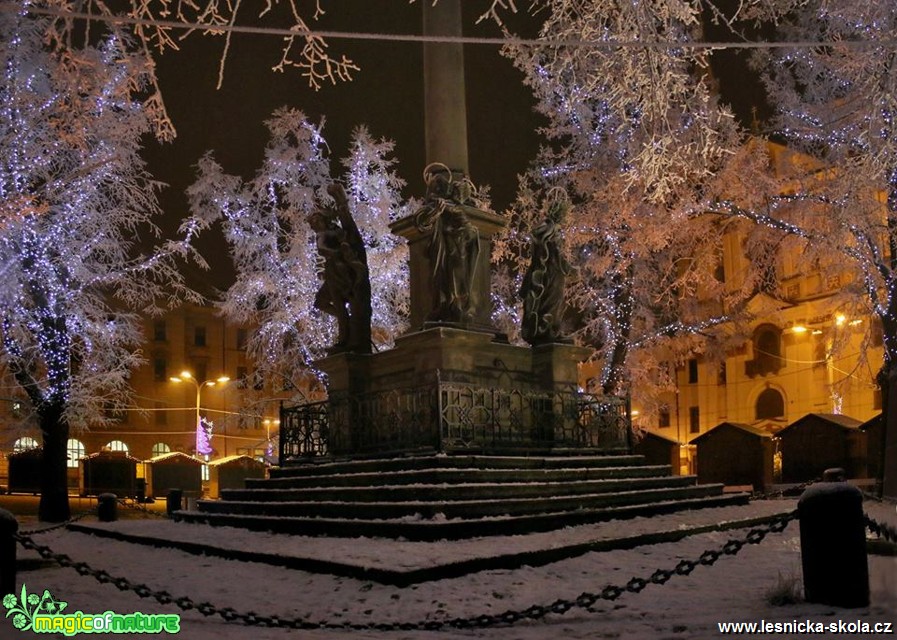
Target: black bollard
{"points": [[833, 543], [107, 507], [8, 528], [174, 501]]}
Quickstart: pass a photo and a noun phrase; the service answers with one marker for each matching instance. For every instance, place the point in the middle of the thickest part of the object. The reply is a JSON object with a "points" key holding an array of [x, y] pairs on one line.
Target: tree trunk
{"points": [[622, 299], [54, 498], [889, 338], [889, 432]]}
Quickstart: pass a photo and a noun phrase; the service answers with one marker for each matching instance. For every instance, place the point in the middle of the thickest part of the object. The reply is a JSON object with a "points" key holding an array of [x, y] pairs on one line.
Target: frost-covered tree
{"points": [[374, 189], [636, 135], [160, 26], [74, 194], [273, 245], [835, 99]]}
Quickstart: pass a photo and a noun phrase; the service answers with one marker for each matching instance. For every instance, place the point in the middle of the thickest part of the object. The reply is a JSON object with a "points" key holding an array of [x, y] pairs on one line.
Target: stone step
{"points": [[457, 509], [456, 476], [326, 466], [432, 530], [446, 491]]}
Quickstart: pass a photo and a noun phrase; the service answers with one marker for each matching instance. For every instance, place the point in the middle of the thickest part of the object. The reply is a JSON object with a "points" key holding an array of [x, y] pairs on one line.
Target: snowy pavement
{"points": [[735, 588]]}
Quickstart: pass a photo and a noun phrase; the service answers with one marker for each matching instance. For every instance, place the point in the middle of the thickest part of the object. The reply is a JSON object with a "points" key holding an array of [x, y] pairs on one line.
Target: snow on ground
{"points": [[687, 607], [408, 555]]}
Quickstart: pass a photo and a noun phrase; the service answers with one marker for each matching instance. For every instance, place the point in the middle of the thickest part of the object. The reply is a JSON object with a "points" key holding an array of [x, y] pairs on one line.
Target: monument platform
{"points": [[404, 562], [455, 497]]}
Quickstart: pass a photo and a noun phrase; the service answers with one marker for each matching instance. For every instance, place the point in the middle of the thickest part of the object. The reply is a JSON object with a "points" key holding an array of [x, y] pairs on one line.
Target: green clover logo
{"points": [[27, 605]]}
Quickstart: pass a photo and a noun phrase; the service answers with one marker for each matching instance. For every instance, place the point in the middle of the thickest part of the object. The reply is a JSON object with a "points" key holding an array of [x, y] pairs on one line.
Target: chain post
{"points": [[833, 543], [107, 507], [8, 528]]}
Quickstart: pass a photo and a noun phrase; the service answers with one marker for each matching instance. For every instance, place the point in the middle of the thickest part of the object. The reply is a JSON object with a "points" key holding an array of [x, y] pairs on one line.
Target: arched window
{"points": [[23, 444], [159, 448], [117, 445], [767, 343], [770, 404], [76, 451]]}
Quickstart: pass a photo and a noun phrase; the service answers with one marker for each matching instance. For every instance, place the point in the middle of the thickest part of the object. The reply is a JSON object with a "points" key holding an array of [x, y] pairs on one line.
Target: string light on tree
{"points": [[73, 189], [273, 246]]}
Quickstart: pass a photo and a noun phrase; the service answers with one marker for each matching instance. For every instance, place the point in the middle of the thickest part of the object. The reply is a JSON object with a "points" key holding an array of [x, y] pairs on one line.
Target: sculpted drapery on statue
{"points": [[454, 243], [545, 280], [345, 292]]}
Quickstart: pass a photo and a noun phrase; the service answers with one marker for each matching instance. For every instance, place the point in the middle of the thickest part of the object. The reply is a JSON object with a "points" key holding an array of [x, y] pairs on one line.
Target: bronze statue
{"points": [[345, 292], [545, 280], [454, 243]]}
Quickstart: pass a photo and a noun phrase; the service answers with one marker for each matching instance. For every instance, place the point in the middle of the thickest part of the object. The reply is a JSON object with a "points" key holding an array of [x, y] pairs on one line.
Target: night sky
{"points": [[386, 95]]}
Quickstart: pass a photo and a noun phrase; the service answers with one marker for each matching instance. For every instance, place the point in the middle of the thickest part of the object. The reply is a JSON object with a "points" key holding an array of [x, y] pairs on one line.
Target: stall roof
{"points": [[752, 430], [171, 456], [836, 419], [235, 458]]}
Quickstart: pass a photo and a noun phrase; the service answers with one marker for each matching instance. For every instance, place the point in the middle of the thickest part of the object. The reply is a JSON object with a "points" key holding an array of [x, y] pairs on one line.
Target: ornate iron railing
{"points": [[473, 417], [454, 416], [303, 431]]}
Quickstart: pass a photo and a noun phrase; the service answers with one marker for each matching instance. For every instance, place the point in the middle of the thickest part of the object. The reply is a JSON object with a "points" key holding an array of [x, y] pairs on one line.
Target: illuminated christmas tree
{"points": [[204, 437]]}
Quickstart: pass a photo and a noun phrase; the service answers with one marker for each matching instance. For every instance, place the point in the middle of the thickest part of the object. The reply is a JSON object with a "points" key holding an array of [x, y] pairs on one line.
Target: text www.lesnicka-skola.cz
{"points": [[808, 626]]}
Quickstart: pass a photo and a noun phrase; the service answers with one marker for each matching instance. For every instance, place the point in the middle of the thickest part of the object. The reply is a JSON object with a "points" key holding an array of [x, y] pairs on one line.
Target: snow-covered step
{"points": [[325, 466], [457, 475], [361, 492], [455, 496], [414, 528], [476, 507]]}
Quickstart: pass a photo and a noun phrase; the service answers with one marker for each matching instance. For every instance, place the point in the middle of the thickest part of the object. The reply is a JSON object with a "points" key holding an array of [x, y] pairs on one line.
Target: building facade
{"points": [[239, 415], [807, 351]]}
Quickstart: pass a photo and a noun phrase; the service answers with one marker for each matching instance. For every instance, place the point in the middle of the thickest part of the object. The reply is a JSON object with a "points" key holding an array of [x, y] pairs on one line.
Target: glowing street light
{"points": [[186, 376]]}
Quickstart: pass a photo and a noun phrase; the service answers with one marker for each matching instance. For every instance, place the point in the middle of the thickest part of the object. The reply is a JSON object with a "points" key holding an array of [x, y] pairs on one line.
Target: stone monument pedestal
{"points": [[449, 389], [453, 383]]}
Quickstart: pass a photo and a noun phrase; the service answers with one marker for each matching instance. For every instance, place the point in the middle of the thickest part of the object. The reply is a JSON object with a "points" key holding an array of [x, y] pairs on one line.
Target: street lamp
{"points": [[186, 376], [269, 449]]}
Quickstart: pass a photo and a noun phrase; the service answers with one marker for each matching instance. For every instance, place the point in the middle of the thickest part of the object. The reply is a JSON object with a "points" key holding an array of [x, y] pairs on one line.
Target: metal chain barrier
{"points": [[536, 612], [794, 490], [142, 508], [59, 525]]}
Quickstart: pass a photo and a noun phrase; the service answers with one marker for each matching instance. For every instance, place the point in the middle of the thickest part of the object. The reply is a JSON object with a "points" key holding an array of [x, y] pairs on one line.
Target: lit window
{"points": [[117, 445], [23, 444], [76, 451], [159, 448]]}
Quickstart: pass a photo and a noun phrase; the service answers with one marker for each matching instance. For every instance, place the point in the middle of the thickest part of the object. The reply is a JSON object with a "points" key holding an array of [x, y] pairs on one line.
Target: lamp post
{"points": [[269, 450], [186, 376]]}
